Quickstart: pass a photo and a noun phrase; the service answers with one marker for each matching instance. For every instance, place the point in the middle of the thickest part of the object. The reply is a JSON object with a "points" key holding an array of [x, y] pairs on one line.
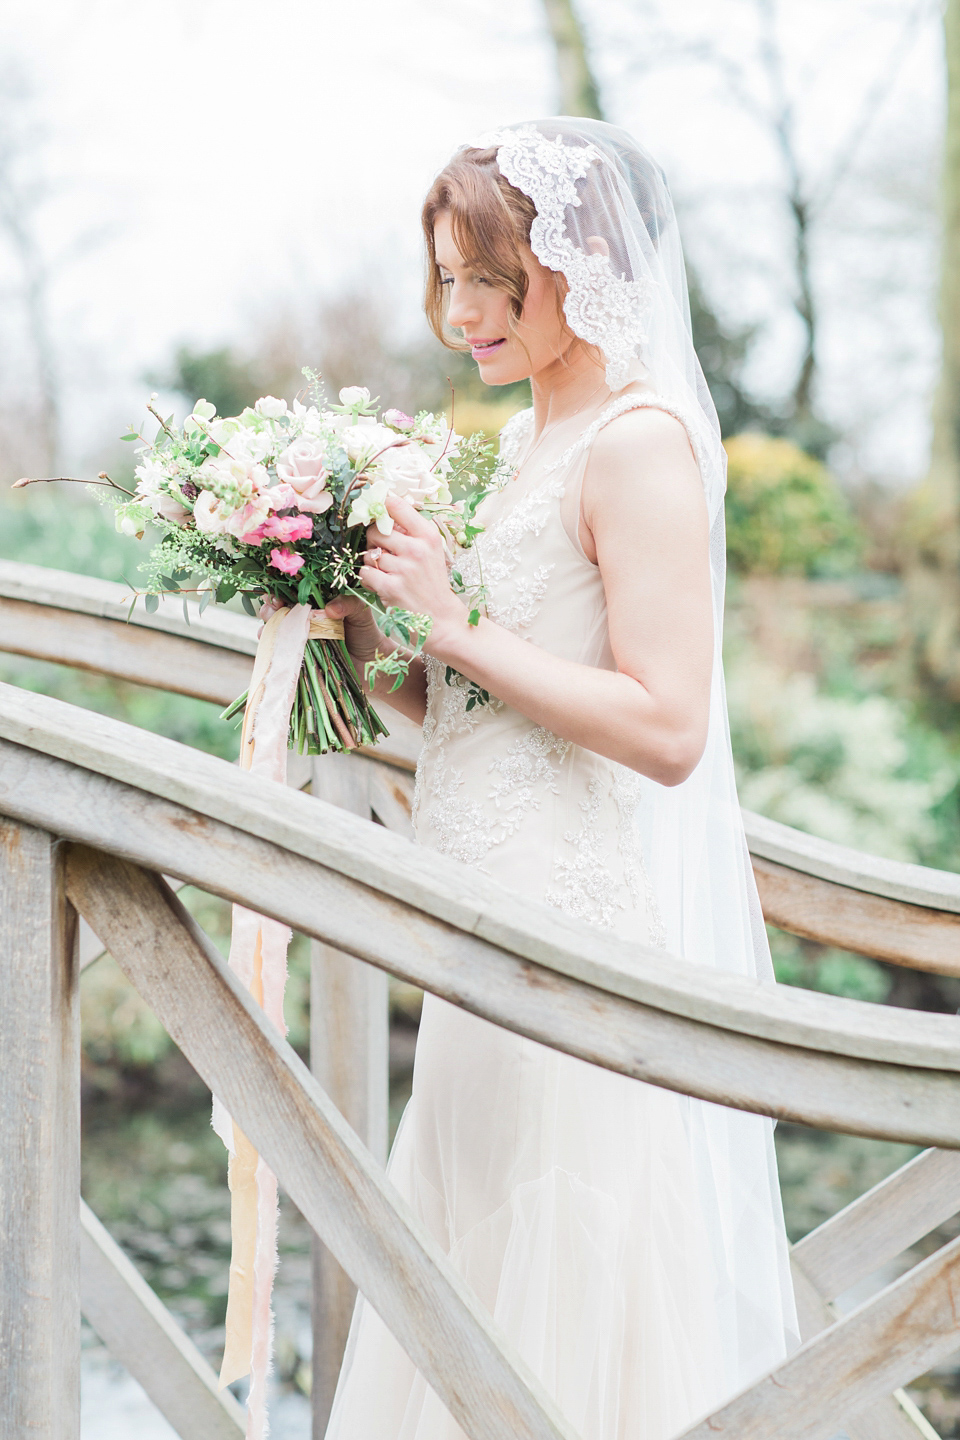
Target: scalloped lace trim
{"points": [[603, 308]]}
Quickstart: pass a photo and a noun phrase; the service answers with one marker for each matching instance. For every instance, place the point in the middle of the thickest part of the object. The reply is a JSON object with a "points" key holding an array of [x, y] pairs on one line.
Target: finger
{"points": [[372, 579], [409, 517]]}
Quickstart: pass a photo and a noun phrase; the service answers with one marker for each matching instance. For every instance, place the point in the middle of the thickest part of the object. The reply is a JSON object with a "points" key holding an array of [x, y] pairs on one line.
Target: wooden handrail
{"points": [[830, 893], [838, 1064]]}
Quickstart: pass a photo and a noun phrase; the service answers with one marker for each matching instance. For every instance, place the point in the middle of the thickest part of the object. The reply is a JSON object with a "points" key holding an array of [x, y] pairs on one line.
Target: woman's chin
{"points": [[501, 372]]}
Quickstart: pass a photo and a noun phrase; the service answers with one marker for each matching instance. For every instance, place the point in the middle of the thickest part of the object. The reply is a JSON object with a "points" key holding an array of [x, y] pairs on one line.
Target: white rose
{"points": [[222, 430], [271, 408], [365, 439], [208, 513], [355, 395], [406, 469], [249, 445]]}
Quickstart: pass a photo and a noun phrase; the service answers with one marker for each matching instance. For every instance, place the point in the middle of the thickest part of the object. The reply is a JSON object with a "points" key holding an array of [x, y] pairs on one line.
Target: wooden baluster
{"points": [[349, 1040], [39, 1143]]}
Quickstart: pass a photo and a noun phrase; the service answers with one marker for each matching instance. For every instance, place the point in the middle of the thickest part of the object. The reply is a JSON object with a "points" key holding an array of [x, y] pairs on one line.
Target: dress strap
{"points": [[620, 406]]}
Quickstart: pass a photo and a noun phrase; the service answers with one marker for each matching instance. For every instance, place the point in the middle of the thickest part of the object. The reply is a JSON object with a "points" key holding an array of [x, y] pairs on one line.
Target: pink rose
{"points": [[286, 561], [301, 467], [398, 420]]}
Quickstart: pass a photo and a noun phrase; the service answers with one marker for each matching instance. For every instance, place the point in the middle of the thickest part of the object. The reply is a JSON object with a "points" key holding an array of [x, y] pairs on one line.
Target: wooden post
{"points": [[349, 1040], [39, 1143]]}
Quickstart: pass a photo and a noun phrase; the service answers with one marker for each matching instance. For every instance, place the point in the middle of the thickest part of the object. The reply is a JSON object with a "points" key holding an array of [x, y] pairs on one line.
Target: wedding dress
{"points": [[629, 1241]]}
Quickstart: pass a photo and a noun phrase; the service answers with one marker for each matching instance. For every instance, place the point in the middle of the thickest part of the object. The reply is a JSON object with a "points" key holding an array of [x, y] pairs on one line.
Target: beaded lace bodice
{"points": [[548, 818]]}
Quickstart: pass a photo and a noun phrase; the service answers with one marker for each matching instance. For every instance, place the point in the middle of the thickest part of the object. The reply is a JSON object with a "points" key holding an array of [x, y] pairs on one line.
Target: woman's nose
{"points": [[461, 310]]}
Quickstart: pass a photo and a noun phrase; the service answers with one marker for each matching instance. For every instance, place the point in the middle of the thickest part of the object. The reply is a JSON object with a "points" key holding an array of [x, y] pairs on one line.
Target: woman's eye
{"points": [[446, 279]]}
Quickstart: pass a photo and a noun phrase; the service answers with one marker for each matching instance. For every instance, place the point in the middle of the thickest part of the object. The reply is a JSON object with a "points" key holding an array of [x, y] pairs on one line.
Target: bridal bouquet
{"points": [[273, 505]]}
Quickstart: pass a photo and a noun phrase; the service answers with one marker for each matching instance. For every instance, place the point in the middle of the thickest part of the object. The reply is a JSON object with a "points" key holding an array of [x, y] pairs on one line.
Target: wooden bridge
{"points": [[101, 820]]}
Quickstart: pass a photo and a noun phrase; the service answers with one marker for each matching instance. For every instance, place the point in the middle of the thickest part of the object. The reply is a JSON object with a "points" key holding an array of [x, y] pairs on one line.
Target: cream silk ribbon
{"points": [[258, 956]]}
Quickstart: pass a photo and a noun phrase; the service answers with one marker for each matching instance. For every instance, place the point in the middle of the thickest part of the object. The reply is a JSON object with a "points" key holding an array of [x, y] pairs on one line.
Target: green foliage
{"points": [[834, 972], [854, 769], [226, 379], [785, 512]]}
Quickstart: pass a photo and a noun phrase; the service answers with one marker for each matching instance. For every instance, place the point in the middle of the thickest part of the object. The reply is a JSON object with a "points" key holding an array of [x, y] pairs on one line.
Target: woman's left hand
{"points": [[411, 571]]}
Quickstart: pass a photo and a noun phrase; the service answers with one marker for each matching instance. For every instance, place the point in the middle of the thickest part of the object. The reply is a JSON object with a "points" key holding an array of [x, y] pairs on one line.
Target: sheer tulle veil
{"points": [[605, 219]]}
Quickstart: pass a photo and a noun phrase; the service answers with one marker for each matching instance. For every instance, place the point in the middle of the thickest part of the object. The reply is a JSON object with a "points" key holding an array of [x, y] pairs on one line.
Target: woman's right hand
{"points": [[360, 629]]}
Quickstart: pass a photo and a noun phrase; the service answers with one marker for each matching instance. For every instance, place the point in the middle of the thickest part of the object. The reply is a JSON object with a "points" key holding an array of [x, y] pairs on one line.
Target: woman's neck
{"points": [[567, 386]]}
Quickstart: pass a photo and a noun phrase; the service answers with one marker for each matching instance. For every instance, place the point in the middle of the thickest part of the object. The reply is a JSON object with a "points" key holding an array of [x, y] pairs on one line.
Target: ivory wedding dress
{"points": [[629, 1241]]}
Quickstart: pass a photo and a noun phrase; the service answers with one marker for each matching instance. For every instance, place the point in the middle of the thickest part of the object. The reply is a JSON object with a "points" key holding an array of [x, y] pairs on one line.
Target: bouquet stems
{"points": [[331, 708]]}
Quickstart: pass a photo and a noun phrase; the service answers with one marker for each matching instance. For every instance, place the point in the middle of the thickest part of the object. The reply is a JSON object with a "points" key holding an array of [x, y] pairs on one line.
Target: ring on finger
{"points": [[373, 556]]}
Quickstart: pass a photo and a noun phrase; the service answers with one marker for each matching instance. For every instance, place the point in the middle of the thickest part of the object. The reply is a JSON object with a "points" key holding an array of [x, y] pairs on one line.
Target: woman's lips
{"points": [[480, 348]]}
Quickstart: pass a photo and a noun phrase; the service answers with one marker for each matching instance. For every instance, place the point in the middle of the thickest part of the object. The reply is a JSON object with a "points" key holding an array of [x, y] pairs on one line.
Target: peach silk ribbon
{"points": [[258, 956]]}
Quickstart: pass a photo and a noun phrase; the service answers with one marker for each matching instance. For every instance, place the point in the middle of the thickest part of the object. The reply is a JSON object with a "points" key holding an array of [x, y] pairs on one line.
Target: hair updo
{"points": [[490, 220]]}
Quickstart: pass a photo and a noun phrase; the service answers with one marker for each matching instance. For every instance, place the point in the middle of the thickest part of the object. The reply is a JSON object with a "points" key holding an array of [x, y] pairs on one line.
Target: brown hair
{"points": [[490, 220]]}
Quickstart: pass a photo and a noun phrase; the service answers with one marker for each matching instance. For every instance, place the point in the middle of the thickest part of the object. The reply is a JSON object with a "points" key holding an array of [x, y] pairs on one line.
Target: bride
{"points": [[629, 1241]]}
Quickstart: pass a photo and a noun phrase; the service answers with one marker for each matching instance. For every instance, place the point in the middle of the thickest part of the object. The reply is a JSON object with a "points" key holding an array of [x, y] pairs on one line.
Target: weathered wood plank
{"points": [[391, 797], [139, 1331], [327, 1172], [41, 587], [455, 893], [884, 1344], [822, 1089], [39, 1143], [127, 652], [881, 1224], [349, 1040], [914, 884], [832, 914], [883, 1419]]}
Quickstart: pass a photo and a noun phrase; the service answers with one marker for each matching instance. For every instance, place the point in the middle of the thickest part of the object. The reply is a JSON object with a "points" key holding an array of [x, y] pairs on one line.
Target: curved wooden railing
{"points": [[97, 812]]}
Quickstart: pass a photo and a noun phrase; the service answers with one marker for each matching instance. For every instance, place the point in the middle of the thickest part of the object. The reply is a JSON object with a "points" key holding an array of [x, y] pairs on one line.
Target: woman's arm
{"points": [[645, 521]]}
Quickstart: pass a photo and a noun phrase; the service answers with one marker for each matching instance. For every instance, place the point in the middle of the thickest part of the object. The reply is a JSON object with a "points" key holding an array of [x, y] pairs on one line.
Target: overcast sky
{"points": [[215, 160]]}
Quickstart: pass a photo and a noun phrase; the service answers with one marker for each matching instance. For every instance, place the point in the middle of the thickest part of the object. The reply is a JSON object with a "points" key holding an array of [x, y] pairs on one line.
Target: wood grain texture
{"points": [[104, 599], [911, 935], [914, 884], [823, 1089], [447, 890], [349, 1042], [127, 652], [139, 1331], [327, 1172], [39, 1143], [887, 1342], [882, 1223], [882, 1419]]}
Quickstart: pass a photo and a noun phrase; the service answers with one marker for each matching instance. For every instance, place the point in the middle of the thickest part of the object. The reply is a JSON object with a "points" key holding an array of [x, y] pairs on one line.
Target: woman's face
{"points": [[482, 312]]}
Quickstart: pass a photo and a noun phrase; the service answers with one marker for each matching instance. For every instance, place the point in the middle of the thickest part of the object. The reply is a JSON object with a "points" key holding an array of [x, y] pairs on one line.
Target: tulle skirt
{"points": [[628, 1241]]}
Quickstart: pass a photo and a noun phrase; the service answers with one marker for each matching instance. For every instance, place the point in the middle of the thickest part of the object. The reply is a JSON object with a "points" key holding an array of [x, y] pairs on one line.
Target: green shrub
{"points": [[785, 512]]}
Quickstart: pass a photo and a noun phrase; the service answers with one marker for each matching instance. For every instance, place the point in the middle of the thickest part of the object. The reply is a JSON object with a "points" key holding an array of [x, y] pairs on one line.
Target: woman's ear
{"points": [[596, 245]]}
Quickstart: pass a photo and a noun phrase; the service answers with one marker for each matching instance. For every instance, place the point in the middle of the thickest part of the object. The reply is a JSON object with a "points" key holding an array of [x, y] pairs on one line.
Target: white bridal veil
{"points": [[606, 221]]}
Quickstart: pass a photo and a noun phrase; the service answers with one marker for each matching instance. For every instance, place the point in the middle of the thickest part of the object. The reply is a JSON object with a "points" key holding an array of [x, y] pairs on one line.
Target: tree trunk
{"points": [[934, 518], [579, 92]]}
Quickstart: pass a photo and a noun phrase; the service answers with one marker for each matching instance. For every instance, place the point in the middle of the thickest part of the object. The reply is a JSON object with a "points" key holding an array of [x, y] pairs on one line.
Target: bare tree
{"points": [[934, 530], [579, 92], [805, 196]]}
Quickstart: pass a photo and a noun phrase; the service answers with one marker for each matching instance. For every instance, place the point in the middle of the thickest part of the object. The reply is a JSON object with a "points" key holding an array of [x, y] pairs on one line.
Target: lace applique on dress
{"points": [[464, 827], [586, 888]]}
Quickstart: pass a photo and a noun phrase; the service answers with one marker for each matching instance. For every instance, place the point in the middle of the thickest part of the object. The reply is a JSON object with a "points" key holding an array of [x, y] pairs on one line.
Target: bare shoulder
{"points": [[643, 448]]}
